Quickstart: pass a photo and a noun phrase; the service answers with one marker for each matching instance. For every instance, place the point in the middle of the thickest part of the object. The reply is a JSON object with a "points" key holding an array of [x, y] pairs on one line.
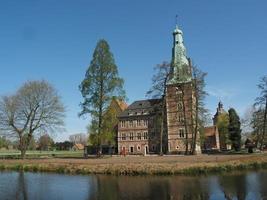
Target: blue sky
{"points": [[54, 40]]}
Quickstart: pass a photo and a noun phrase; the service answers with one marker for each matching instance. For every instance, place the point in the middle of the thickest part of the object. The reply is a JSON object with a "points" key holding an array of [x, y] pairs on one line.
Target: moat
{"points": [[245, 185]]}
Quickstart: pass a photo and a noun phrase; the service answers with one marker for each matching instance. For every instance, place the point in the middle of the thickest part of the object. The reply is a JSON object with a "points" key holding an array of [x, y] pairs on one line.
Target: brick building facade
{"points": [[138, 128]]}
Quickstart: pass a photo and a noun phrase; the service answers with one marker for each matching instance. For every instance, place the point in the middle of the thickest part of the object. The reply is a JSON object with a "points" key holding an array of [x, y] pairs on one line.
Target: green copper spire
{"points": [[180, 66]]}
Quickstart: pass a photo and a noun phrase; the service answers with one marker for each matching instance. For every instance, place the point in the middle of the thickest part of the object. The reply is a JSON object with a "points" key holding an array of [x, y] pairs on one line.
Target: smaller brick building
{"points": [[139, 128], [212, 138]]}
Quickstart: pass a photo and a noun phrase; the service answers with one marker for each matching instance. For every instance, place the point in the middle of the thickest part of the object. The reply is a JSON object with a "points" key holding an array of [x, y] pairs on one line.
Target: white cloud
{"points": [[224, 94]]}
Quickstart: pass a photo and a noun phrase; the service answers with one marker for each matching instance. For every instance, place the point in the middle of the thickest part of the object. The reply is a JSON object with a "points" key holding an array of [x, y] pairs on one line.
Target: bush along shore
{"points": [[134, 169]]}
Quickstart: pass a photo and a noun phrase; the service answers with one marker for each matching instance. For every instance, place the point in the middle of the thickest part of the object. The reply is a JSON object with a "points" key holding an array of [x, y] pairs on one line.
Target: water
{"points": [[15, 185]]}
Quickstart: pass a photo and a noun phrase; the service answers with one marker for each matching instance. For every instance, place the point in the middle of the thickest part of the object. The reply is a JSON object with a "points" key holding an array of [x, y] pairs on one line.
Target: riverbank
{"points": [[140, 165]]}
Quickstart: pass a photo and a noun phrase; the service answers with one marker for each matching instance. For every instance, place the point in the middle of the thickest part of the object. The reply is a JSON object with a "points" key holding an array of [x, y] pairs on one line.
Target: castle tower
{"points": [[180, 99], [220, 111]]}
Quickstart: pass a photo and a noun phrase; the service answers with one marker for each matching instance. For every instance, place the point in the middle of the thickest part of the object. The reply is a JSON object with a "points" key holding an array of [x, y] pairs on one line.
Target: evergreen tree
{"points": [[100, 84], [234, 129]]}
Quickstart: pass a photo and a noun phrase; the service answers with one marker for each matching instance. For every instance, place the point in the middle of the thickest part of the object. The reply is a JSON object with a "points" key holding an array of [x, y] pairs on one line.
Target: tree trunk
{"points": [[24, 143], [264, 125], [257, 138], [195, 125], [100, 118], [195, 130], [22, 146], [185, 121], [22, 153], [162, 124]]}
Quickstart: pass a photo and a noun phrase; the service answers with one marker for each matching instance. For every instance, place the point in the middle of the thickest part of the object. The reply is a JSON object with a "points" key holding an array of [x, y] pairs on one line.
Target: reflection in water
{"points": [[25, 186], [21, 192]]}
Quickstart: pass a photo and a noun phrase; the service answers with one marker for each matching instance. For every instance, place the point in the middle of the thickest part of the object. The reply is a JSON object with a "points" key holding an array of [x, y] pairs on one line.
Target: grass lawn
{"points": [[41, 154]]}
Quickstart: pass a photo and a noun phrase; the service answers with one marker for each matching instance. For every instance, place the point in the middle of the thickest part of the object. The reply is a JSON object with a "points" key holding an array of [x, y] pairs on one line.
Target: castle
{"points": [[139, 130]]}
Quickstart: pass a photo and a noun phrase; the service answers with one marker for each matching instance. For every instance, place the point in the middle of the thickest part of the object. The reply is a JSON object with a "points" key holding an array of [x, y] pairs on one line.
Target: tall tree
{"points": [[158, 90], [261, 104], [35, 108], [234, 129], [100, 84], [257, 125], [200, 114]]}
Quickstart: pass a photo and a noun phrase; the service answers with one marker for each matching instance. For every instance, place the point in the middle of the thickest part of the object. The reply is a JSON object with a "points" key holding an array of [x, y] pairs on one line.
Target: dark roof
{"points": [[142, 107]]}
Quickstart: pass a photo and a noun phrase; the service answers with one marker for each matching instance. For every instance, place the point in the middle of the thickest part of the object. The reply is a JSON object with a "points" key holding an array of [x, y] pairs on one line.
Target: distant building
{"points": [[212, 136], [77, 147], [220, 111], [117, 105]]}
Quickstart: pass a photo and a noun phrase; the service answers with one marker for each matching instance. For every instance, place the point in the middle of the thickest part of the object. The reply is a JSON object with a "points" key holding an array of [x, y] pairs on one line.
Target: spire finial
{"points": [[176, 20]]}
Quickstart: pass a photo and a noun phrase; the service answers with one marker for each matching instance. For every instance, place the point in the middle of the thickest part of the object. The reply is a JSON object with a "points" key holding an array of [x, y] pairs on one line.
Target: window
{"points": [[181, 133], [145, 122], [138, 122], [180, 97], [180, 118], [122, 124], [138, 148], [178, 91], [153, 134], [131, 123], [131, 149], [131, 136], [145, 135], [139, 136], [180, 106], [123, 136]]}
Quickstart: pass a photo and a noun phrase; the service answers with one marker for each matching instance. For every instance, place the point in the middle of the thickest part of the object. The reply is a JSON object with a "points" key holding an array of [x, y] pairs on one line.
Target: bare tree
{"points": [[34, 109], [257, 124], [78, 138], [182, 88], [261, 104], [200, 114], [45, 142], [158, 90]]}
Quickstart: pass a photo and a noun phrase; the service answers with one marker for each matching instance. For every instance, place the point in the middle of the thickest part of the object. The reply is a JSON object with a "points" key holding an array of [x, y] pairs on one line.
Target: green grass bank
{"points": [[139, 165]]}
